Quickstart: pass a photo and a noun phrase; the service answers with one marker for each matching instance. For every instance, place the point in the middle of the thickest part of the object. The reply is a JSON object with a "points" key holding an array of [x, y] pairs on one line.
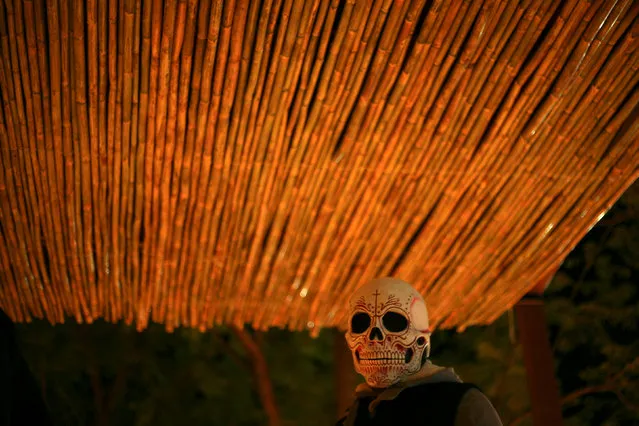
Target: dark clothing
{"points": [[432, 404], [21, 403]]}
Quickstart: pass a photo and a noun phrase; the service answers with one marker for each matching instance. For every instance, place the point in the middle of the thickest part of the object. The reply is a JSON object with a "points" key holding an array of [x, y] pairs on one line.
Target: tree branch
{"points": [[590, 262], [609, 385], [261, 376], [95, 377], [43, 387], [116, 390], [98, 395], [230, 351], [620, 218], [624, 401], [568, 399]]}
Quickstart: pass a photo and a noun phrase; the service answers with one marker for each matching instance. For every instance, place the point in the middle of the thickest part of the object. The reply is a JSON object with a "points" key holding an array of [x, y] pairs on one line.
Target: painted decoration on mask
{"points": [[388, 332]]}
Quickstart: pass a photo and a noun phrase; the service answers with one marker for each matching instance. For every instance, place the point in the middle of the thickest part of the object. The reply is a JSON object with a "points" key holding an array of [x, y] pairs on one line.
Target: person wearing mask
{"points": [[389, 337]]}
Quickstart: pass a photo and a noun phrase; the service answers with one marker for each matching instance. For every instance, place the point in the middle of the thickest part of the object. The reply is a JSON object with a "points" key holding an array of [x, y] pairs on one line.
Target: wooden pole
{"points": [[542, 385]]}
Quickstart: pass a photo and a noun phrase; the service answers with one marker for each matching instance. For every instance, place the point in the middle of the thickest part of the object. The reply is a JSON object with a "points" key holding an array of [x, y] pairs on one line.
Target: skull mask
{"points": [[388, 332]]}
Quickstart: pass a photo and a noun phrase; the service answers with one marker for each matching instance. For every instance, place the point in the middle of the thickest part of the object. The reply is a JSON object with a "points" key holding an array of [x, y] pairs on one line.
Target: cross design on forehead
{"points": [[376, 294]]}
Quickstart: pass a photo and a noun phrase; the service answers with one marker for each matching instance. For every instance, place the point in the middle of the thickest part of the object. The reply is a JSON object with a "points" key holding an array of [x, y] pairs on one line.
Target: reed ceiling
{"points": [[201, 162]]}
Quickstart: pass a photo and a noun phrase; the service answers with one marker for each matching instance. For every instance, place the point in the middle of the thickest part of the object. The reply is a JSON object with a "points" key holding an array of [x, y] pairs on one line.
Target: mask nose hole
{"points": [[376, 334]]}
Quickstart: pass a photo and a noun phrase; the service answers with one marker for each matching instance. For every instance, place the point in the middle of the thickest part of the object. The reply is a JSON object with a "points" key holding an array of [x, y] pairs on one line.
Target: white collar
{"points": [[429, 373]]}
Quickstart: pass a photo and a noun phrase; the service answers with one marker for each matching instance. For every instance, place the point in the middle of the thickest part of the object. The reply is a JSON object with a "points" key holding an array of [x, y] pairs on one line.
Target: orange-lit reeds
{"points": [[199, 162]]}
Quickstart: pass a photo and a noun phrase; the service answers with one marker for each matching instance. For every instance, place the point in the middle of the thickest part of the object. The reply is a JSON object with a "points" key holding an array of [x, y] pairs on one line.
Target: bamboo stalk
{"points": [[8, 188], [86, 170], [139, 263], [32, 111], [102, 135], [57, 254], [203, 77], [135, 174], [172, 166], [92, 59], [149, 220], [73, 255], [187, 170]]}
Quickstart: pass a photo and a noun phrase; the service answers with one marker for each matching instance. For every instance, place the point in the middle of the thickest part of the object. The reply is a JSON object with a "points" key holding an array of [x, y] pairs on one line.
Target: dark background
{"points": [[109, 374]]}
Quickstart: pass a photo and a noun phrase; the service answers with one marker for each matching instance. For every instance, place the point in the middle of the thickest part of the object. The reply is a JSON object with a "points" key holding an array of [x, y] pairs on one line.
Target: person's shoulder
{"points": [[474, 394], [447, 394], [444, 387], [475, 409]]}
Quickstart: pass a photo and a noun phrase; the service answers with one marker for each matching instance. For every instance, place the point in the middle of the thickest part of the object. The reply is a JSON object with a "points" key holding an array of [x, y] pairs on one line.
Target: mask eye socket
{"points": [[360, 322], [394, 322]]}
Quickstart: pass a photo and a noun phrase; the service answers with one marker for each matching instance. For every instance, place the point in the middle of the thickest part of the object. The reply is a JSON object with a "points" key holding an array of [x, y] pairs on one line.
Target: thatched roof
{"points": [[195, 163]]}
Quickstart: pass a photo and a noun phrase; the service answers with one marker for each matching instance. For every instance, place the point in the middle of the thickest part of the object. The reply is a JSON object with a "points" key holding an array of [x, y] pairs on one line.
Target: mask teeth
{"points": [[382, 358]]}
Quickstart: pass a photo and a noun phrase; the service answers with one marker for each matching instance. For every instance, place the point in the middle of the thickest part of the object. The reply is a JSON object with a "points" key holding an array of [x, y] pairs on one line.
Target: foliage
{"points": [[592, 309], [302, 372], [491, 359], [593, 316], [187, 377]]}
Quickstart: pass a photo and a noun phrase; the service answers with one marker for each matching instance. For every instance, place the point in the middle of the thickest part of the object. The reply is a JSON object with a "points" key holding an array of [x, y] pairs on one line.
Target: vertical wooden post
{"points": [[540, 368], [345, 376]]}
